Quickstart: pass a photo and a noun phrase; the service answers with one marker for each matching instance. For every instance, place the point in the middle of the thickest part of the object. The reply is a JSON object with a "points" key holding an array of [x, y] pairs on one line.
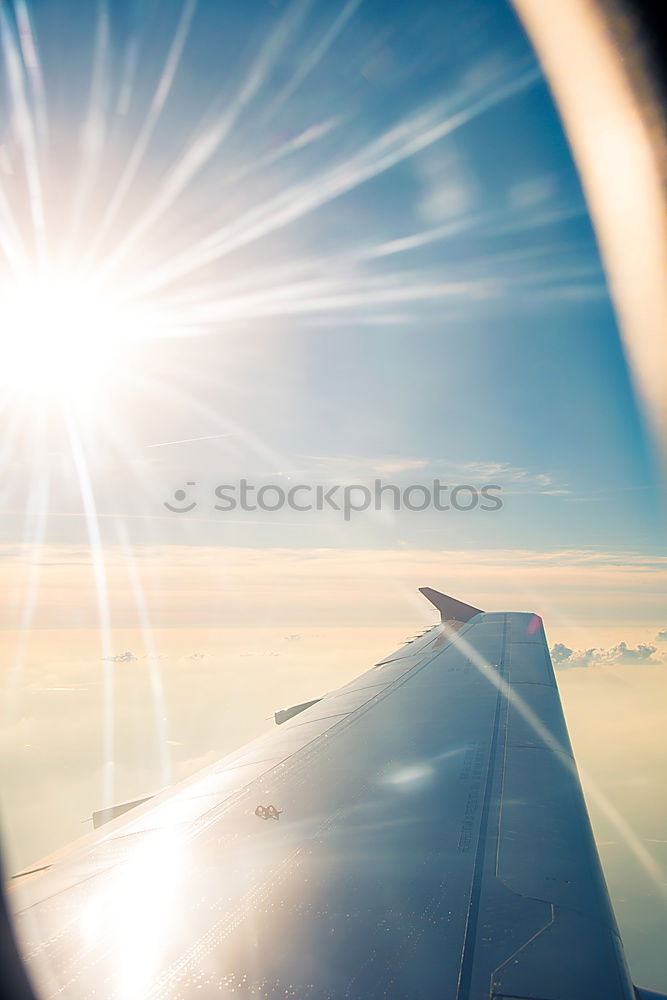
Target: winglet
{"points": [[450, 609]]}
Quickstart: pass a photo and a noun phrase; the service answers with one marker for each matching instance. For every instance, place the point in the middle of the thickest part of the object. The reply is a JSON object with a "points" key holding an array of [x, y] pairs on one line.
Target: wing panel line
{"points": [[470, 934]]}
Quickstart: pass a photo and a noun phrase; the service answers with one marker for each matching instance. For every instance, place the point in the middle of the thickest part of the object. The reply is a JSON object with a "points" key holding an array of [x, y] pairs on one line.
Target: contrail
{"points": [[207, 437]]}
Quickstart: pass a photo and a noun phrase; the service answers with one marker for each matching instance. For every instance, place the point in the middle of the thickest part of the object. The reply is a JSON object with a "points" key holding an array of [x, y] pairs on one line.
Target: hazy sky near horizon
{"points": [[321, 243]]}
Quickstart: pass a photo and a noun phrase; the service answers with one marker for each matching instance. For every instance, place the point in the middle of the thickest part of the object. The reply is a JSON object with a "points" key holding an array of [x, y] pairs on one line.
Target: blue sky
{"points": [[375, 210]]}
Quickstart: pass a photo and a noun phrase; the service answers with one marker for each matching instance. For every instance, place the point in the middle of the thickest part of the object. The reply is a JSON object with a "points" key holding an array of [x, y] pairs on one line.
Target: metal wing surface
{"points": [[430, 839]]}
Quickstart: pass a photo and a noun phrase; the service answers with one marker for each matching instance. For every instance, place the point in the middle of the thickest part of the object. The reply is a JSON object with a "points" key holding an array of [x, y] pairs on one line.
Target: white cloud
{"points": [[610, 595], [643, 653], [363, 468], [448, 190], [533, 192], [560, 653], [518, 479]]}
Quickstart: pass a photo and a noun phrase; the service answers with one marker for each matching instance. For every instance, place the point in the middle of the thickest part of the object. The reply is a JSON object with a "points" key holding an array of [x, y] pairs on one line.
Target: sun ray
{"points": [[93, 131], [312, 58], [143, 139], [207, 143], [11, 240], [24, 126], [402, 141], [491, 223], [311, 135], [103, 606], [33, 68], [155, 677], [127, 84], [34, 533], [334, 286]]}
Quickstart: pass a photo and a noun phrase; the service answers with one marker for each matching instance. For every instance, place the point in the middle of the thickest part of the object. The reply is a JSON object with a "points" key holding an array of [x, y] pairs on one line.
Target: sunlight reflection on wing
{"points": [[133, 914], [602, 801]]}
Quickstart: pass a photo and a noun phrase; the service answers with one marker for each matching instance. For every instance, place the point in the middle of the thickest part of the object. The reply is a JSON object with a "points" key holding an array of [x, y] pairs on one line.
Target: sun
{"points": [[60, 335]]}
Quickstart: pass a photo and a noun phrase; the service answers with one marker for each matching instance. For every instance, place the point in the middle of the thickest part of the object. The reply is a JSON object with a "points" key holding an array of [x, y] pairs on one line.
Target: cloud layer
{"points": [[644, 653]]}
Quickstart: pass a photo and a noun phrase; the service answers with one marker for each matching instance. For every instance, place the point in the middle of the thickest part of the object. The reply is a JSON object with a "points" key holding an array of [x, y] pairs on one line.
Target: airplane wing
{"points": [[419, 833]]}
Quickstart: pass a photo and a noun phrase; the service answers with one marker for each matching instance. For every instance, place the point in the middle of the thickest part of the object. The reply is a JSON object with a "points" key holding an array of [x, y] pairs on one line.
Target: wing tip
{"points": [[450, 609]]}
